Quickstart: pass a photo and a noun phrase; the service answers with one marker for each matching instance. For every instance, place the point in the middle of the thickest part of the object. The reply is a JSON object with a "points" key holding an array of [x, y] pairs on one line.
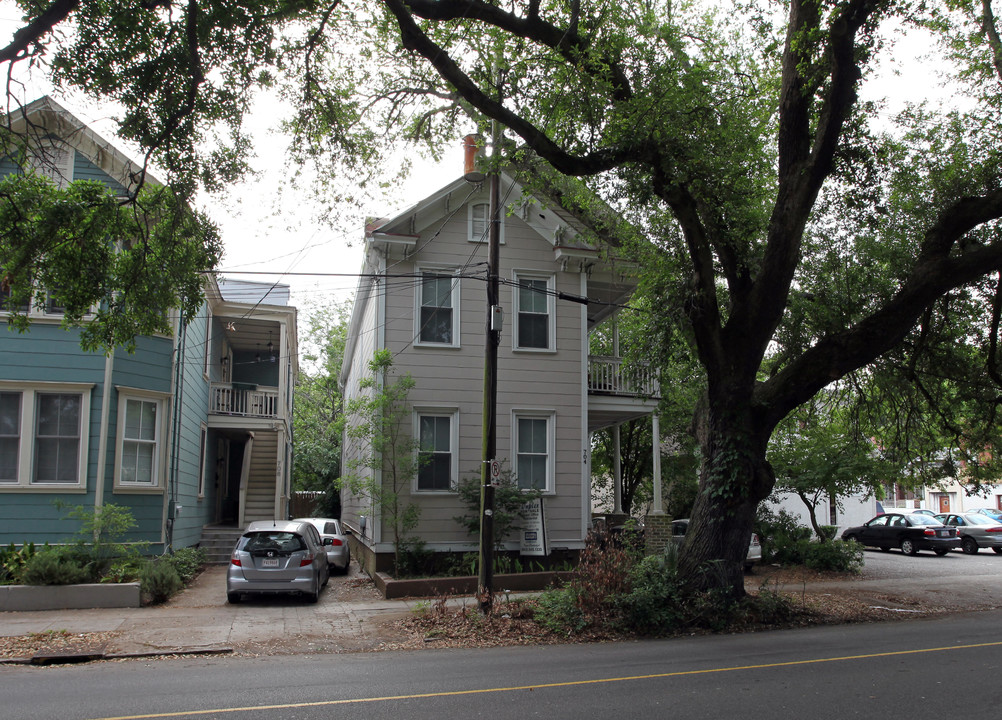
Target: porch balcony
{"points": [[243, 400], [617, 393]]}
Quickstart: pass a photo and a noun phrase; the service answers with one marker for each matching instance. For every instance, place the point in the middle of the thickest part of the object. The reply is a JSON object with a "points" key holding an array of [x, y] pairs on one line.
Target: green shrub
{"points": [[653, 606], [413, 559], [55, 566], [777, 532], [124, 570], [13, 561], [187, 562], [557, 610], [159, 580], [837, 555], [829, 532]]}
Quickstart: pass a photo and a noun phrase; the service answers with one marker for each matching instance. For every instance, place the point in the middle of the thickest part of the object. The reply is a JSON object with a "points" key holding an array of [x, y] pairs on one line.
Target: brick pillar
{"points": [[657, 533]]}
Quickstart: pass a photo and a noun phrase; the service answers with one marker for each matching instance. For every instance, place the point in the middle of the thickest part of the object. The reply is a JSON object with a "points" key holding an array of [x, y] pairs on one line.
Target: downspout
{"points": [[175, 448], [102, 446]]}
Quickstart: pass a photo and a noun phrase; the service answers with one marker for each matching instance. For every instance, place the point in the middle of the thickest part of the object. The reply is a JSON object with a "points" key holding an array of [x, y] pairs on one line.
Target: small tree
{"points": [[387, 461], [509, 505]]}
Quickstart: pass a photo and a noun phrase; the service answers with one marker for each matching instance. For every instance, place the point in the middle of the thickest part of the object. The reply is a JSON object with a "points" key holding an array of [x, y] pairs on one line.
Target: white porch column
{"points": [[617, 474], [658, 508]]}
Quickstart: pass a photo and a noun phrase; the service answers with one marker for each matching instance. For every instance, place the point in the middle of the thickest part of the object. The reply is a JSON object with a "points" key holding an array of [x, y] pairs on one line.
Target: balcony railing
{"points": [[608, 376], [243, 400]]}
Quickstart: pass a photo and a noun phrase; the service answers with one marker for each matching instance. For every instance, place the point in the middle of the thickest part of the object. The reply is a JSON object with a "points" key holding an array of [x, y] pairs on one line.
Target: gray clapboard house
{"points": [[422, 296], [191, 432]]}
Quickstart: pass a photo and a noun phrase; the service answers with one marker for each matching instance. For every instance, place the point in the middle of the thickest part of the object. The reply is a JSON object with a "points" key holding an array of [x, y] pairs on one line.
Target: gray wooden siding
{"points": [[528, 380]]}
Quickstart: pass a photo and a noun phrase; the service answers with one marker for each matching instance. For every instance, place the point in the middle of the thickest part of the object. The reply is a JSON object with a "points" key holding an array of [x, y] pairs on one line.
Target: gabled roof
{"points": [[45, 117], [565, 232]]}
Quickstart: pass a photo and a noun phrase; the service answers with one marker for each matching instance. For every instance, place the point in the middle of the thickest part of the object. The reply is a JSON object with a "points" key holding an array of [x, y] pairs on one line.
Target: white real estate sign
{"points": [[534, 540]]}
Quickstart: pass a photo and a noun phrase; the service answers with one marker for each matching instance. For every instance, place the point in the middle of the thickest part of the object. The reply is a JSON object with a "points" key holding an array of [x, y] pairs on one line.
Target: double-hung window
{"points": [[437, 458], [438, 300], [44, 435], [57, 438], [533, 439], [534, 312], [10, 435], [138, 459]]}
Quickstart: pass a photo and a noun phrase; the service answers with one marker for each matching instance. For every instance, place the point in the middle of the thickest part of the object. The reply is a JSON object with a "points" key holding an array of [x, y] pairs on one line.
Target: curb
{"points": [[43, 657]]}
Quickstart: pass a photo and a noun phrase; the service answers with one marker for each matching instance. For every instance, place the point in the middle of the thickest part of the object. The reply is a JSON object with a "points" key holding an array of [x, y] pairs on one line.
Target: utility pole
{"points": [[485, 583]]}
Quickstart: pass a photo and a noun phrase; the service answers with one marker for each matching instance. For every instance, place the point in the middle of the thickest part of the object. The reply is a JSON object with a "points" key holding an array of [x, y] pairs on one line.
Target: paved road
{"points": [[929, 667]]}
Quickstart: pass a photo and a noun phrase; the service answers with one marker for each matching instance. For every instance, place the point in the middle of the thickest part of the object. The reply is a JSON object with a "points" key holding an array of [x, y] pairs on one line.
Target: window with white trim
{"points": [[438, 305], [478, 222], [10, 435], [43, 435], [533, 451], [139, 456], [534, 312], [57, 438], [437, 433]]}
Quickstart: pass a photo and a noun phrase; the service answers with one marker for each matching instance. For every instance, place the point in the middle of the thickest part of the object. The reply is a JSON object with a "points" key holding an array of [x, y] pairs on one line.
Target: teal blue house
{"points": [[191, 432]]}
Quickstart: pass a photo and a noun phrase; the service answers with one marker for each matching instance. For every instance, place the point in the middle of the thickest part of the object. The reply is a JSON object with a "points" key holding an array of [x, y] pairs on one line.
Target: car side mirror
{"points": [[328, 541]]}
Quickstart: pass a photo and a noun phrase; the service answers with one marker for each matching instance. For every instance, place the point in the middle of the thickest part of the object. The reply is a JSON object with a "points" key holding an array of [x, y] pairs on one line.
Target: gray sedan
{"points": [[976, 530]]}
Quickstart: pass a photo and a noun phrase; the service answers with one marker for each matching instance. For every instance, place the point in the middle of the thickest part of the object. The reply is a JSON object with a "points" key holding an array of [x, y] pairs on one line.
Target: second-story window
{"points": [[437, 317], [534, 313]]}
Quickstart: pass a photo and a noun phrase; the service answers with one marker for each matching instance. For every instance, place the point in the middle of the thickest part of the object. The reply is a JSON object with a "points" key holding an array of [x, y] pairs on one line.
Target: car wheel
{"points": [[908, 547], [970, 545], [943, 551], [313, 597], [232, 598], [851, 538]]}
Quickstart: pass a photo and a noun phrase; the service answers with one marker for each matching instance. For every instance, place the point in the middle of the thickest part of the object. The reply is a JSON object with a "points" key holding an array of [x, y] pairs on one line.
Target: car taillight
{"points": [[335, 541], [928, 531], [235, 561], [308, 560], [994, 529]]}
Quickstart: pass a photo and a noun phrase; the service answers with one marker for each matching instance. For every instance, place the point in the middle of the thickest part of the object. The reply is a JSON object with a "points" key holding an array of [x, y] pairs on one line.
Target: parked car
{"points": [[909, 531], [990, 512], [278, 556], [976, 530], [678, 528], [335, 539]]}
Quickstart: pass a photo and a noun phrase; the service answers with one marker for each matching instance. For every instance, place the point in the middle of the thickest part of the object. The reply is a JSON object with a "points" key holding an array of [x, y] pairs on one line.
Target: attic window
{"points": [[53, 160], [478, 225]]}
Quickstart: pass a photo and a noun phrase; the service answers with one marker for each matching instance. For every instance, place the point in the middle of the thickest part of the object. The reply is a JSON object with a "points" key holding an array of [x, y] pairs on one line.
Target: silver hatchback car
{"points": [[278, 556]]}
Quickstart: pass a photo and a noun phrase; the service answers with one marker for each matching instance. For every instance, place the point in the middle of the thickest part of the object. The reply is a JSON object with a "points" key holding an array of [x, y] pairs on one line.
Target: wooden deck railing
{"points": [[609, 376], [247, 401]]}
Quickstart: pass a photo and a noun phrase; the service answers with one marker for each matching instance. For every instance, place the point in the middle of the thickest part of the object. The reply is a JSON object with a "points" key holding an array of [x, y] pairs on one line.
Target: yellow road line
{"points": [[569, 683]]}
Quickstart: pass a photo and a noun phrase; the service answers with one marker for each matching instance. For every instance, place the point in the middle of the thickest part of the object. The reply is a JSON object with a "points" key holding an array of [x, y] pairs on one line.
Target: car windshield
{"points": [[273, 540], [923, 520]]}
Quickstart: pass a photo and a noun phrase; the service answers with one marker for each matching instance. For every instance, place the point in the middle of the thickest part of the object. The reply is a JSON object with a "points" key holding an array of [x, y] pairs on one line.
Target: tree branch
{"points": [[33, 32], [416, 40], [992, 33], [935, 273]]}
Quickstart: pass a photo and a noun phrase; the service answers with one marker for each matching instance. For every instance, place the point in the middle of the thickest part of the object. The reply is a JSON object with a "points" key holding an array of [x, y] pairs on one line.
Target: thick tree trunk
{"points": [[735, 477]]}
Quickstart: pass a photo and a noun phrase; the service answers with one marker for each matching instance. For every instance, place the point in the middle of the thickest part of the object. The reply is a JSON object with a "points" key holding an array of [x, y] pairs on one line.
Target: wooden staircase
{"points": [[260, 501]]}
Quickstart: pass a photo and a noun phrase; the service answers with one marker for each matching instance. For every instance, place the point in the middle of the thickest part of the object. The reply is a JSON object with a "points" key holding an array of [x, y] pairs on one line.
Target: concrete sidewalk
{"points": [[200, 620]]}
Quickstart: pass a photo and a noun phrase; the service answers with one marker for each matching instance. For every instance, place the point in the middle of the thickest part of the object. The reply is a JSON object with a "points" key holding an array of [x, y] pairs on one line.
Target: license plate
{"points": [[269, 562], [944, 533]]}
